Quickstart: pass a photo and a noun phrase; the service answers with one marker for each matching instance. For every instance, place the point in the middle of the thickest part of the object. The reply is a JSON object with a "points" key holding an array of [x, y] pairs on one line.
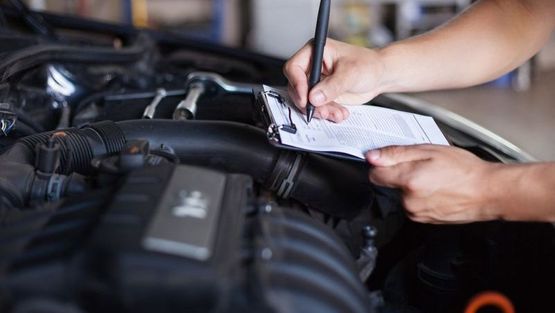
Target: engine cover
{"points": [[169, 240], [188, 239]]}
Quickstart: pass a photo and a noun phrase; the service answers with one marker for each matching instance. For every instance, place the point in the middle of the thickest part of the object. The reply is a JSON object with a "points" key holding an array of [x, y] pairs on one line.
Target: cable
{"points": [[36, 55], [35, 21]]}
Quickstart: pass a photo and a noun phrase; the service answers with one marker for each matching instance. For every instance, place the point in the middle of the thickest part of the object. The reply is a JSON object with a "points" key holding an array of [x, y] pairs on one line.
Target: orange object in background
{"points": [[490, 299], [139, 13]]}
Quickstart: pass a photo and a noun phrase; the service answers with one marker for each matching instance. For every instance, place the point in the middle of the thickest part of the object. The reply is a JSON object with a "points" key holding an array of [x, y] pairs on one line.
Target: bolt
{"points": [[266, 254], [268, 208], [369, 232]]}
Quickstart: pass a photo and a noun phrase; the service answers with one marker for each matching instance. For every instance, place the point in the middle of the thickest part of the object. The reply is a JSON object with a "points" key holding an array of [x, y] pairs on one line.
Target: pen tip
{"points": [[309, 114]]}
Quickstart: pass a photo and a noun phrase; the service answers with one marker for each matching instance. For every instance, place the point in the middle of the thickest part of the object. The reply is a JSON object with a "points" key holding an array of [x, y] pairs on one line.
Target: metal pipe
{"points": [[226, 85], [187, 108], [151, 108]]}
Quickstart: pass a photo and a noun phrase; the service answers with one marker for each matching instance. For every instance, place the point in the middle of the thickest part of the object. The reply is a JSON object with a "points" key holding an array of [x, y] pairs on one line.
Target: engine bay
{"points": [[136, 176]]}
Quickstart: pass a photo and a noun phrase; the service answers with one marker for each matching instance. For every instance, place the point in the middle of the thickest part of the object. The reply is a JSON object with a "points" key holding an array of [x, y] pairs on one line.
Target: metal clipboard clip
{"points": [[273, 129]]}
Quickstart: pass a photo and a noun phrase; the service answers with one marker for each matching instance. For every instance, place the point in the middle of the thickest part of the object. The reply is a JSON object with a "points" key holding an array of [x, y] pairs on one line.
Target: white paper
{"points": [[367, 128]]}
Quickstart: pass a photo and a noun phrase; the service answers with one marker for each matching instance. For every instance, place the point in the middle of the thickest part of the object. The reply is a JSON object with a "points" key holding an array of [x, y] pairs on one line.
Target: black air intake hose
{"points": [[335, 187], [78, 146], [28, 175]]}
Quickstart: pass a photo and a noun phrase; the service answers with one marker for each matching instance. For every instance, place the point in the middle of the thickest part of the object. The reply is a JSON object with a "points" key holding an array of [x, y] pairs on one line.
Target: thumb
{"points": [[394, 155], [330, 88]]}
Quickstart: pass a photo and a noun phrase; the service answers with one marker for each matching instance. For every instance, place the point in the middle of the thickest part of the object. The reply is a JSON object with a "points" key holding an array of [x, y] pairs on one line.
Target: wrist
{"points": [[494, 191], [523, 192], [389, 58], [513, 194]]}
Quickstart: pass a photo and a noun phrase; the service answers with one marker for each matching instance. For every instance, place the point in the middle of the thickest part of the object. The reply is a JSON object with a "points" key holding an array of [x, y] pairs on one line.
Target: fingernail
{"points": [[374, 155], [318, 97]]}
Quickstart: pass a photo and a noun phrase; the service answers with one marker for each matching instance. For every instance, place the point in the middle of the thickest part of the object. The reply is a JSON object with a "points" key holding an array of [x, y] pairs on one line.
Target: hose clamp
{"points": [[286, 186]]}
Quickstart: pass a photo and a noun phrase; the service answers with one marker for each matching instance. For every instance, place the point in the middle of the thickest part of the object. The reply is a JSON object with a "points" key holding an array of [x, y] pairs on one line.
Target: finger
{"points": [[322, 112], [299, 86], [297, 100], [331, 87], [390, 177], [346, 112], [430, 220], [303, 57], [335, 116], [394, 155], [418, 216], [420, 219], [337, 112], [296, 72], [405, 176], [422, 211]]}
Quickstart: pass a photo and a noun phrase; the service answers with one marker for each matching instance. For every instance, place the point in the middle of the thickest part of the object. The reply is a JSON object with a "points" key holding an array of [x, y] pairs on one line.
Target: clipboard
{"points": [[273, 129]]}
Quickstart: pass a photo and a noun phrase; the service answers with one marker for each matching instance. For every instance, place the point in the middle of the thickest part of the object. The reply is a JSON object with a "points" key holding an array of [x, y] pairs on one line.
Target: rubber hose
{"points": [[336, 187], [40, 54], [232, 147]]}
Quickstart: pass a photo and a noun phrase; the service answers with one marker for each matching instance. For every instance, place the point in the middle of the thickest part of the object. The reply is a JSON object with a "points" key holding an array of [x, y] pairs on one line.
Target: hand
{"points": [[439, 184], [350, 75]]}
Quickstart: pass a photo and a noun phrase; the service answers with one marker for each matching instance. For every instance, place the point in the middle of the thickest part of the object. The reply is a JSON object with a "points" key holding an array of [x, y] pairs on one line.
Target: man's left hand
{"points": [[440, 184]]}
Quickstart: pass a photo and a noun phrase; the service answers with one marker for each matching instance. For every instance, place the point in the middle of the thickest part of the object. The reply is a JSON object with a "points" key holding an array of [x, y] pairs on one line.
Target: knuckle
{"points": [[288, 67], [339, 115], [351, 64], [323, 111], [412, 185], [333, 116]]}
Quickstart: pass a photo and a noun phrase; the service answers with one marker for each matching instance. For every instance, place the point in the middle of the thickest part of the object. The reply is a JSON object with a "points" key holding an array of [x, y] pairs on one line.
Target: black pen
{"points": [[318, 51]]}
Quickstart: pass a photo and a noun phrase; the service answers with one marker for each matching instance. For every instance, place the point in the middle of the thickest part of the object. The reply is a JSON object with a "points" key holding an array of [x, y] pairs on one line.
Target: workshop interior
{"points": [[136, 173]]}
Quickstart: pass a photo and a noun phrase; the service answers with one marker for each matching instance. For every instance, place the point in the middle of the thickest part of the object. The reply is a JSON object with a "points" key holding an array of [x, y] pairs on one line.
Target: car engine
{"points": [[136, 176]]}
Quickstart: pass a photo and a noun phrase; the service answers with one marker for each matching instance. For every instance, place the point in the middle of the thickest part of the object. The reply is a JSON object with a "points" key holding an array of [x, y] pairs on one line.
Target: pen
{"points": [[318, 51]]}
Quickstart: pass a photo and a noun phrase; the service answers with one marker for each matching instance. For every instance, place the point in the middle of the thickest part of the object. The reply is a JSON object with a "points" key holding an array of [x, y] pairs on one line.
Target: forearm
{"points": [[523, 192], [486, 41]]}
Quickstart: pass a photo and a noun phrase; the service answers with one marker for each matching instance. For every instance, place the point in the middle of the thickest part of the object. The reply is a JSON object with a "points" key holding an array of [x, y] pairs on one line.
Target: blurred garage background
{"points": [[518, 106]]}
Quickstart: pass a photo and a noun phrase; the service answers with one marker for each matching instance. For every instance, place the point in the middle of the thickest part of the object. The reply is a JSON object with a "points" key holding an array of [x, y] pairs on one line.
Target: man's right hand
{"points": [[350, 75]]}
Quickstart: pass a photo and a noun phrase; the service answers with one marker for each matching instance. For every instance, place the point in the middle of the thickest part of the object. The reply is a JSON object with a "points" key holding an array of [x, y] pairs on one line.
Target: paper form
{"points": [[367, 128]]}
